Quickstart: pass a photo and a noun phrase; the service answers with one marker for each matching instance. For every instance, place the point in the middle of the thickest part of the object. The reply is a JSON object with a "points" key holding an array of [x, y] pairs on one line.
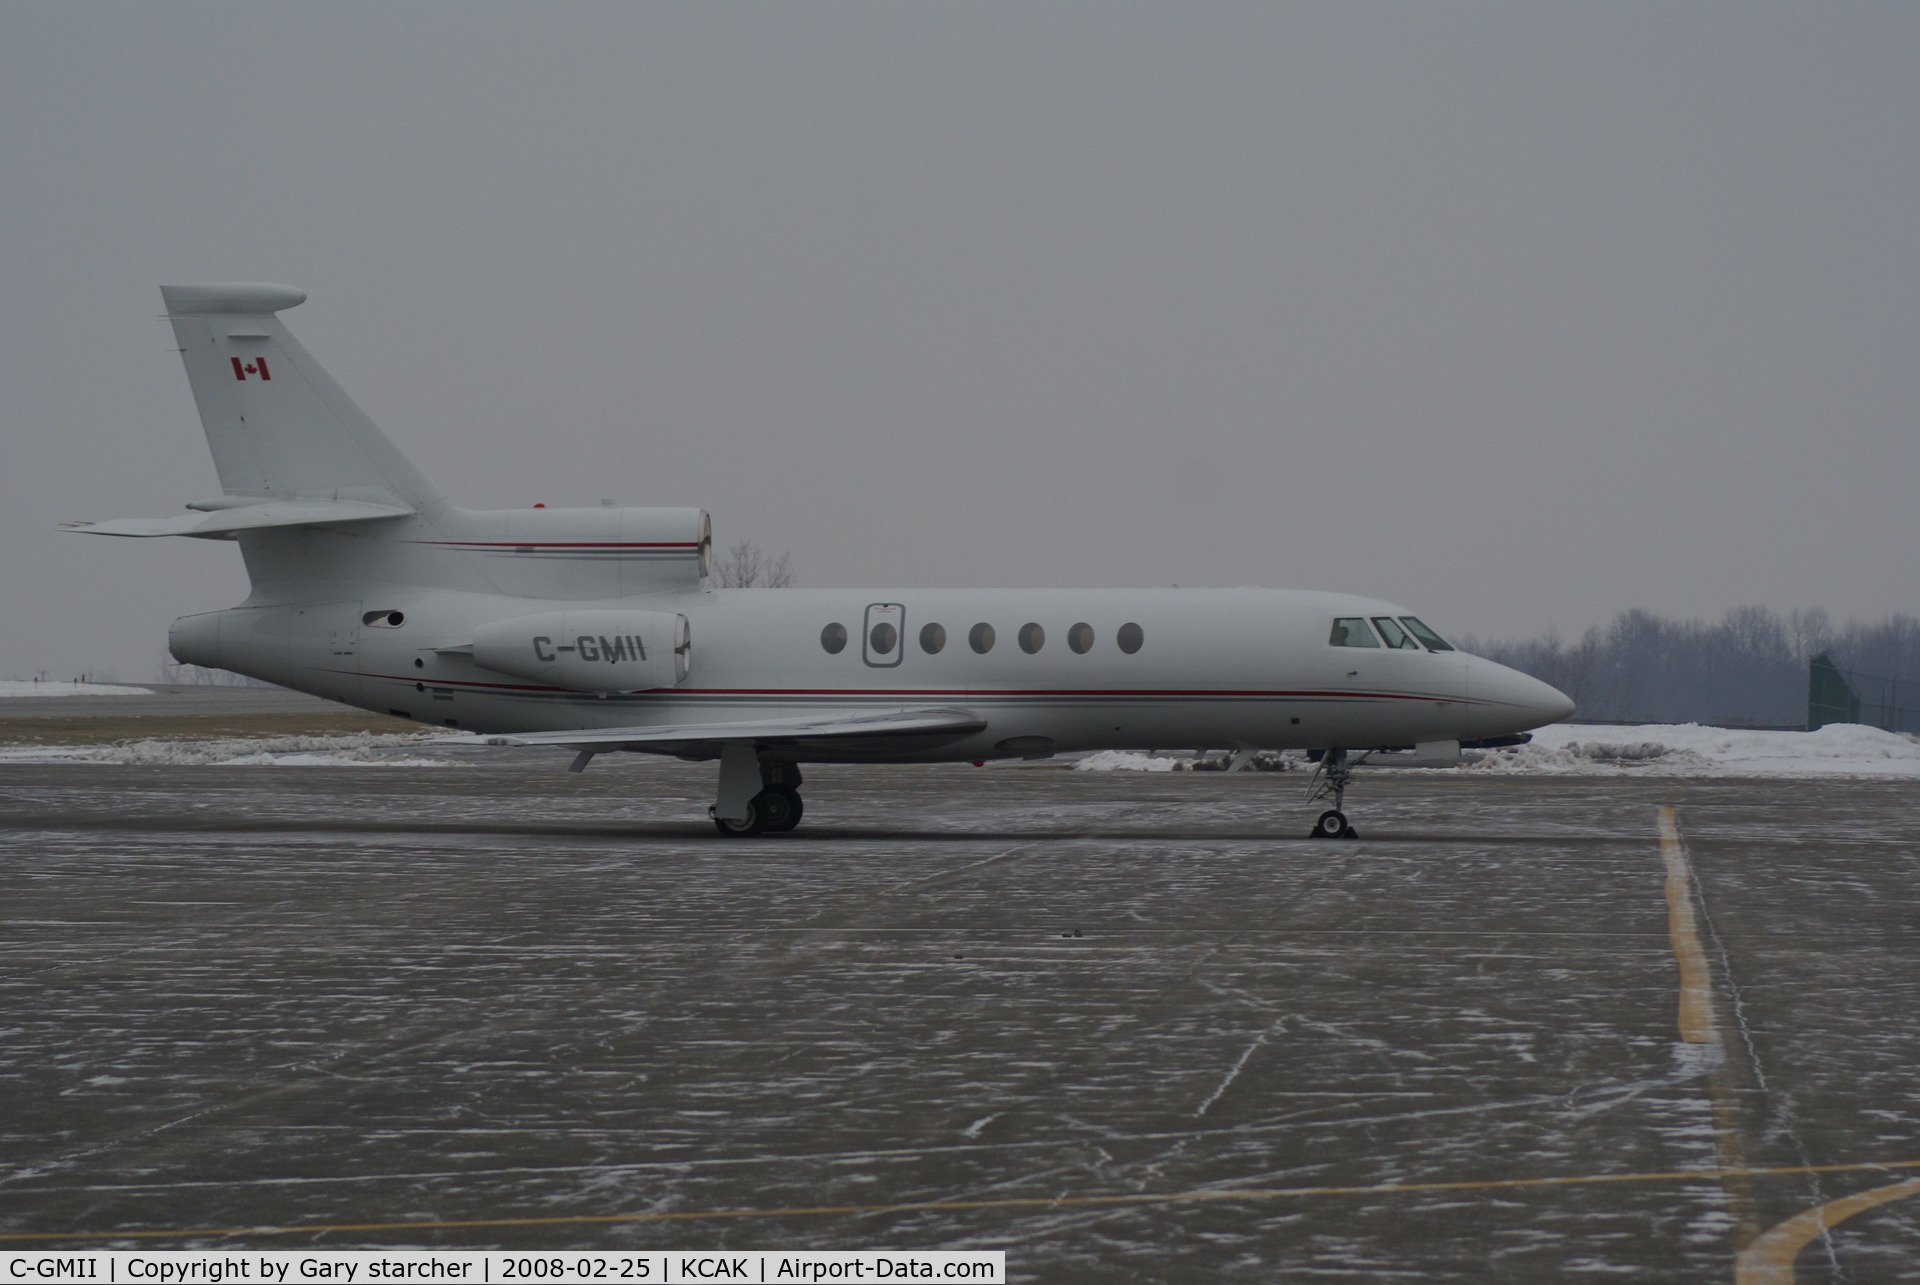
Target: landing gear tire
{"points": [[780, 808], [1330, 783], [746, 829], [1333, 825]]}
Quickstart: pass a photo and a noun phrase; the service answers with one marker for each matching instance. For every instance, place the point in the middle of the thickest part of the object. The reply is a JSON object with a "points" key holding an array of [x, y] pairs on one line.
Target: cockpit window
{"points": [[1433, 641], [1352, 631], [1397, 638]]}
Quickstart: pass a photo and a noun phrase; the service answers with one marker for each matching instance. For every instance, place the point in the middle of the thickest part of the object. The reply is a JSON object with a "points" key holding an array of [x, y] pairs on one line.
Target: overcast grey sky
{"points": [[1519, 314]]}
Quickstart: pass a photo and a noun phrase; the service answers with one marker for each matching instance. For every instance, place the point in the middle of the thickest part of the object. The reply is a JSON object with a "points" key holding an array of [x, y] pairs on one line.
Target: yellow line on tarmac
{"points": [[1696, 981], [961, 1206], [1697, 1025], [1769, 1260]]}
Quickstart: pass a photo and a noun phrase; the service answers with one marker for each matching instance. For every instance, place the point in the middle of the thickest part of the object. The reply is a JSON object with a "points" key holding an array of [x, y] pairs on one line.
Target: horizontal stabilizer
{"points": [[247, 517], [836, 725]]}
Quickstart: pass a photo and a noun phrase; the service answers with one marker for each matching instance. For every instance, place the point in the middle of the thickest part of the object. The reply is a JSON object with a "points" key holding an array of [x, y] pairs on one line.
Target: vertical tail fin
{"points": [[278, 426]]}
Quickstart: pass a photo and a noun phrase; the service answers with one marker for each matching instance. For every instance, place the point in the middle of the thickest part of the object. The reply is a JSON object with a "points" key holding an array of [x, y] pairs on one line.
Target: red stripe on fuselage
{"points": [[934, 693]]}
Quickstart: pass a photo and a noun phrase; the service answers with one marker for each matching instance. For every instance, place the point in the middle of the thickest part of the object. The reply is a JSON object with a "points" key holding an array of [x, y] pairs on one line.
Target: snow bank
{"points": [[1125, 761], [361, 749], [1656, 749], [1687, 749], [10, 687]]}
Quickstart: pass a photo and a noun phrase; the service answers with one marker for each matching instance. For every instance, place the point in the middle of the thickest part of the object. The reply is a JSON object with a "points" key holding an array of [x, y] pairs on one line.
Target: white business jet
{"points": [[598, 629]]}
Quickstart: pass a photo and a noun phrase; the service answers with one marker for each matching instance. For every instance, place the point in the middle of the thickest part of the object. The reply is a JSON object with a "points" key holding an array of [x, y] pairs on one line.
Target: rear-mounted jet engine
{"points": [[589, 651]]}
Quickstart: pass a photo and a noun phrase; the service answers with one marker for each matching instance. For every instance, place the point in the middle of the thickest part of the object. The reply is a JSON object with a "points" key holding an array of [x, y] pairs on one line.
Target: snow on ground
{"points": [[11, 687], [1125, 761], [362, 749], [1655, 749], [1564, 749], [1688, 749]]}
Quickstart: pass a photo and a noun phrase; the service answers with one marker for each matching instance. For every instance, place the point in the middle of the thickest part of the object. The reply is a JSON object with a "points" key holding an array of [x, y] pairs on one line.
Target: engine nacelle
{"points": [[590, 650]]}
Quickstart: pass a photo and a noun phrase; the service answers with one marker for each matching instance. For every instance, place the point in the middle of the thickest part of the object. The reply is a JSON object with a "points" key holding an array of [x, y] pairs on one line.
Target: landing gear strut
{"points": [[756, 796], [1330, 783]]}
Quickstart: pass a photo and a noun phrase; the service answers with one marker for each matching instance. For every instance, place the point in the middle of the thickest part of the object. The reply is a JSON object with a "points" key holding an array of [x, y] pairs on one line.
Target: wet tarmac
{"points": [[164, 700], [1124, 1026], [189, 711]]}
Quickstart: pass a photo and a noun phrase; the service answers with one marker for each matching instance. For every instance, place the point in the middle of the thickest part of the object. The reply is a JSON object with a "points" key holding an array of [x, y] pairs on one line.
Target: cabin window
{"points": [[1396, 637], [932, 638], [1080, 638], [1352, 631], [834, 638], [1131, 638], [1032, 638], [980, 638], [885, 627], [1433, 641], [384, 619]]}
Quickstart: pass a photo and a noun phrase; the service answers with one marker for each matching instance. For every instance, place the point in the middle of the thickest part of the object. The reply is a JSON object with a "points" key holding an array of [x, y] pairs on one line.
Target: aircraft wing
{"points": [[224, 522], [837, 728]]}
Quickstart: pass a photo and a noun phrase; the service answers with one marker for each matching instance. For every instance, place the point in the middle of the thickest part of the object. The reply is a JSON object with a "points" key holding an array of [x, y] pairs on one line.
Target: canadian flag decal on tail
{"points": [[258, 366]]}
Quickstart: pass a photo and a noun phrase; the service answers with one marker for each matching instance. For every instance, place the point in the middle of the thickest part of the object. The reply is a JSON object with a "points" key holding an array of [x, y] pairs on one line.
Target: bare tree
{"points": [[1749, 668], [745, 567], [1811, 631]]}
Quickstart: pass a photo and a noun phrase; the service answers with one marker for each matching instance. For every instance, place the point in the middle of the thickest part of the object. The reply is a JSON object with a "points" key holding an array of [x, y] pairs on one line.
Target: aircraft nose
{"points": [[1551, 704], [1526, 700]]}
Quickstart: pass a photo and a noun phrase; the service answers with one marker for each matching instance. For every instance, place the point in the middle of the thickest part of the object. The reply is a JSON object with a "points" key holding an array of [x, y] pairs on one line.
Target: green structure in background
{"points": [[1829, 699], [1836, 695]]}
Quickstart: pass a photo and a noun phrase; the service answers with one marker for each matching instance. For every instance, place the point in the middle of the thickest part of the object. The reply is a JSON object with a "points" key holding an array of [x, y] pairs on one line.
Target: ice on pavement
{"points": [[1656, 749], [361, 749], [12, 687]]}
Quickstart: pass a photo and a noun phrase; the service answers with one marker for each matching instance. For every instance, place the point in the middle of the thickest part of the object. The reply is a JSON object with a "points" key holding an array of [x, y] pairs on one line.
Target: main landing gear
{"points": [[772, 811], [755, 797], [1330, 783]]}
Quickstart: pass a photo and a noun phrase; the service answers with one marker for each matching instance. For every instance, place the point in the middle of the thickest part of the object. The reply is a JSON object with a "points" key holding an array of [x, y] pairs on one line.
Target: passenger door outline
{"points": [[893, 615]]}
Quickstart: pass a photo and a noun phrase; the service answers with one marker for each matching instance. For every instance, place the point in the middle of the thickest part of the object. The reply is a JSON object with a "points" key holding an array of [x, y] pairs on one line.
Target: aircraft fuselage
{"points": [[598, 629], [1048, 673]]}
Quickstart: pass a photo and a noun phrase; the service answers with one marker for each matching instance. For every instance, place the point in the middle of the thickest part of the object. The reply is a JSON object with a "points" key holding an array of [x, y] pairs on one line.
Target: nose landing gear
{"points": [[1333, 824], [1330, 783]]}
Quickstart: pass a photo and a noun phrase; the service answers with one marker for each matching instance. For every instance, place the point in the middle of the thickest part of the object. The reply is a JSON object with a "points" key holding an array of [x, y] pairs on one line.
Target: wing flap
{"points": [[247, 517], [828, 725]]}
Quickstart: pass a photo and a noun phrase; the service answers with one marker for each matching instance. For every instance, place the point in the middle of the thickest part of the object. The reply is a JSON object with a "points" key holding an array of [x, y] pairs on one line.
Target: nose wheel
{"points": [[1333, 825], [1330, 783]]}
